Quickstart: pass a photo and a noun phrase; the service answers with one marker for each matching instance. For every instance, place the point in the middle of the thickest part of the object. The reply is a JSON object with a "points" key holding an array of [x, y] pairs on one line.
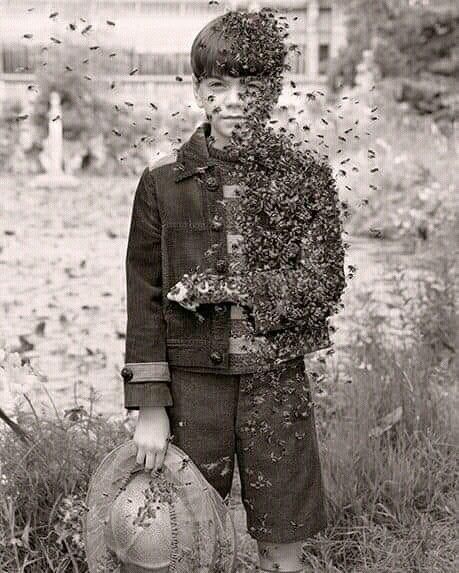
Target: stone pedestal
{"points": [[48, 181]]}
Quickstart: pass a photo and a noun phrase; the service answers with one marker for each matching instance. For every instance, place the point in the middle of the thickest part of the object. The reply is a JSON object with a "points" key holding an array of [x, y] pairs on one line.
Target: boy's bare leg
{"points": [[281, 557]]}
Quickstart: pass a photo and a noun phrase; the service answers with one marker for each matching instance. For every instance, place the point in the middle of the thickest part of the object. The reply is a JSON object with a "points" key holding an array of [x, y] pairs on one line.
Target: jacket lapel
{"points": [[193, 155]]}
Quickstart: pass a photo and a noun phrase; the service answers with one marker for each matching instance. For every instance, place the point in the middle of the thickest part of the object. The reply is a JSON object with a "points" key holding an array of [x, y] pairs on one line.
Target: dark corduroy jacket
{"points": [[176, 217]]}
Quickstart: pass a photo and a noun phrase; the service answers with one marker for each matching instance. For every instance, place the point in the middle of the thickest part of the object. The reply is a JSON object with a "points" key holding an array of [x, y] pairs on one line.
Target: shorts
{"points": [[267, 421]]}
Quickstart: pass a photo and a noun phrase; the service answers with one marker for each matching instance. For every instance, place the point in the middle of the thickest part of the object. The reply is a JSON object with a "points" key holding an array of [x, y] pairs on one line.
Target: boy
{"points": [[195, 381]]}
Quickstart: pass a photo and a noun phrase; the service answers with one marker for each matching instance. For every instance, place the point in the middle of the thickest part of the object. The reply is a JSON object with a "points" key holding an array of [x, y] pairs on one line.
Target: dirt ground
{"points": [[63, 283]]}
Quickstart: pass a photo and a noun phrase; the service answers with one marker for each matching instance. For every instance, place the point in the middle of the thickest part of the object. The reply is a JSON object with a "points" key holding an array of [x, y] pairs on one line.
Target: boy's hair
{"points": [[235, 44]]}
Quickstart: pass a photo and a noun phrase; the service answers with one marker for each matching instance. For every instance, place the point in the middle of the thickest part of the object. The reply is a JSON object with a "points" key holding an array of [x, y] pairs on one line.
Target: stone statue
{"points": [[366, 72], [52, 156]]}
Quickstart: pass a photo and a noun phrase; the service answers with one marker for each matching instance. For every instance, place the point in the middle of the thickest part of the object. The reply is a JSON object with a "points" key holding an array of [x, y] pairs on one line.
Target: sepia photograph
{"points": [[228, 247]]}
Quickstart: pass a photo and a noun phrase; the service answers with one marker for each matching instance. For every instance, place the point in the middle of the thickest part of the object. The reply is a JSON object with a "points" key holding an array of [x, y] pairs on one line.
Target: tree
{"points": [[414, 42]]}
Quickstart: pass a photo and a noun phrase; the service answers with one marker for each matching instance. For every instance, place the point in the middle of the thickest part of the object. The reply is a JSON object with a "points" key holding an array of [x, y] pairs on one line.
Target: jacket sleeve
{"points": [[310, 292], [146, 372]]}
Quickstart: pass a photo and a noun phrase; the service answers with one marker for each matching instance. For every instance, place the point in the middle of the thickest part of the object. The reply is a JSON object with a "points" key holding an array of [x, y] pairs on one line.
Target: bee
{"points": [[249, 503], [275, 458], [211, 466], [185, 463], [75, 414]]}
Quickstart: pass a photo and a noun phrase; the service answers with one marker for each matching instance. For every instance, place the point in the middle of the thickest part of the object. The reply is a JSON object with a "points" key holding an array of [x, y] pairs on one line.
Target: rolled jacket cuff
{"points": [[147, 395], [134, 372]]}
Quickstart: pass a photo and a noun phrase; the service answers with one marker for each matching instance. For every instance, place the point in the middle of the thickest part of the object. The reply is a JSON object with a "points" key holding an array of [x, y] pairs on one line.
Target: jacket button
{"points": [[127, 374], [221, 266], [212, 182], [216, 357], [217, 224]]}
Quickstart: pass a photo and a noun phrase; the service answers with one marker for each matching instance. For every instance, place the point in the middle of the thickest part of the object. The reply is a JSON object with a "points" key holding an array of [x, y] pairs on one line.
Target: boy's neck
{"points": [[217, 142]]}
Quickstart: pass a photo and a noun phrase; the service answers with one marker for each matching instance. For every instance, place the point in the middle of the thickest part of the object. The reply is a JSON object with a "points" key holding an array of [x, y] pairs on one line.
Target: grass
{"points": [[43, 484], [390, 486]]}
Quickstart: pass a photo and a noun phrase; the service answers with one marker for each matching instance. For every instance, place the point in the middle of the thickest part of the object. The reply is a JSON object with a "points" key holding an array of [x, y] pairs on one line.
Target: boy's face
{"points": [[223, 99]]}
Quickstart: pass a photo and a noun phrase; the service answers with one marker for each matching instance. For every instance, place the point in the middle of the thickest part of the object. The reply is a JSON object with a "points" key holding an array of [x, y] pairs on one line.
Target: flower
{"points": [[16, 379], [69, 523]]}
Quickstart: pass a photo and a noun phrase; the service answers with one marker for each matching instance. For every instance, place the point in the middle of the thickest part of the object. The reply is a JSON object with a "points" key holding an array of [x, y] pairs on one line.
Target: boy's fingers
{"points": [[150, 460], [160, 459], [140, 456], [164, 452]]}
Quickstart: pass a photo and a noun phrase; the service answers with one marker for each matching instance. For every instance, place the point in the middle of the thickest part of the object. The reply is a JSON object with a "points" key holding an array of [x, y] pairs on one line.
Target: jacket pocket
{"points": [[183, 327]]}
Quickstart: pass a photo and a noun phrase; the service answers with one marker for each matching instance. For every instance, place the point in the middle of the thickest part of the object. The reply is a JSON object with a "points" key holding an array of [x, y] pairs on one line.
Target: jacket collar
{"points": [[193, 156]]}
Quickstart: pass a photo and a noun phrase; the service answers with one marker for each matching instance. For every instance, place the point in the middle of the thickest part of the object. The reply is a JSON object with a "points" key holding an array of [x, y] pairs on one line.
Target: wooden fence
{"points": [[19, 58]]}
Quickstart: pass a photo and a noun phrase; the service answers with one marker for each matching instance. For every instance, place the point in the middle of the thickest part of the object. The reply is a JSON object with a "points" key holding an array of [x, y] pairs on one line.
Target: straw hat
{"points": [[171, 521]]}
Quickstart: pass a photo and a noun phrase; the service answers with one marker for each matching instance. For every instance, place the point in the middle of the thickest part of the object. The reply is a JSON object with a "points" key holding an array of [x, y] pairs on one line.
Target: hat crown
{"points": [[143, 542], [191, 531]]}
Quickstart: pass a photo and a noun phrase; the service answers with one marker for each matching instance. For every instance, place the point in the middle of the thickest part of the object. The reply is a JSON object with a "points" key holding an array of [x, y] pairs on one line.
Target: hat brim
{"points": [[113, 473]]}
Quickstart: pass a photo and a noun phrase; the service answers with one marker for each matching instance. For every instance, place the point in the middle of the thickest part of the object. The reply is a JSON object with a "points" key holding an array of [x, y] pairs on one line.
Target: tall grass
{"points": [[391, 479], [43, 485]]}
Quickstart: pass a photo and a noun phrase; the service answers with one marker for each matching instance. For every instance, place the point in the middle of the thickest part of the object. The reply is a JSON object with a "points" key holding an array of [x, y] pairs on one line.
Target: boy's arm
{"points": [[308, 293], [146, 372]]}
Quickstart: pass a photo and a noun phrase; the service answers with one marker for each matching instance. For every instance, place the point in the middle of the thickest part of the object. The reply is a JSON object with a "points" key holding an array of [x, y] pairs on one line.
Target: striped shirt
{"points": [[242, 351]]}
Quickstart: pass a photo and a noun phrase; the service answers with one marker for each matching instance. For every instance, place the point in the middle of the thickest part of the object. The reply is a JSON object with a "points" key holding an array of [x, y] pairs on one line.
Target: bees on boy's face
{"points": [[227, 101]]}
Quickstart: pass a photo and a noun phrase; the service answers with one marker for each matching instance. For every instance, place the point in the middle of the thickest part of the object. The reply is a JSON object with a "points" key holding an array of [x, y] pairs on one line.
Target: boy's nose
{"points": [[234, 96]]}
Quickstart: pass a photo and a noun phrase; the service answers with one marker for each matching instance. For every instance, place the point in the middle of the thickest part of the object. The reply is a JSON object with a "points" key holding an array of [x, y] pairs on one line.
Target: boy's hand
{"points": [[151, 437]]}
